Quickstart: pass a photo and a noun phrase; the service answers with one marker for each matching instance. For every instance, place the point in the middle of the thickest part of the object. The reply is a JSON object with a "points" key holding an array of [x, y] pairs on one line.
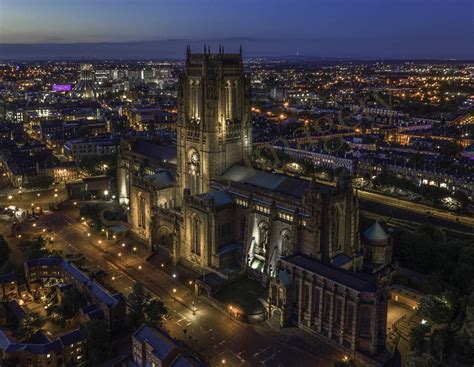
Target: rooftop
{"points": [[376, 233], [358, 281], [286, 185]]}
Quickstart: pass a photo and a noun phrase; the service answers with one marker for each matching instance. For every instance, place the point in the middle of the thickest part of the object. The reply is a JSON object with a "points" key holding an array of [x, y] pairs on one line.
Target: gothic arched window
{"points": [[193, 171], [195, 247], [194, 99], [262, 244], [141, 212], [230, 99], [336, 245]]}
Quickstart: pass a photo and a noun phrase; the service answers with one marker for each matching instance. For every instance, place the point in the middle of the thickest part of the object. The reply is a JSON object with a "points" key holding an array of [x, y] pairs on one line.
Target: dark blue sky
{"points": [[326, 28]]}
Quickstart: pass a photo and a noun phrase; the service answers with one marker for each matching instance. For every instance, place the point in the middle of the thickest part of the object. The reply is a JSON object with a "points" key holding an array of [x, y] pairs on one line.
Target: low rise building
{"points": [[40, 350], [153, 347], [112, 306], [79, 149]]}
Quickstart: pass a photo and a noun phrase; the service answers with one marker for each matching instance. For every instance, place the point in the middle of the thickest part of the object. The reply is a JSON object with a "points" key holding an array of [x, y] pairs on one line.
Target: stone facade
{"points": [[214, 121], [209, 209]]}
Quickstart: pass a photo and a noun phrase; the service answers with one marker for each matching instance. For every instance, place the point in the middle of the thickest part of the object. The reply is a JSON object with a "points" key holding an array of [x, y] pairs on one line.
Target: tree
{"points": [[156, 313], [97, 341], [443, 310], [422, 360], [346, 362], [451, 149], [35, 249], [137, 302], [141, 308], [29, 325], [39, 182], [72, 301], [4, 251], [440, 343], [418, 338]]}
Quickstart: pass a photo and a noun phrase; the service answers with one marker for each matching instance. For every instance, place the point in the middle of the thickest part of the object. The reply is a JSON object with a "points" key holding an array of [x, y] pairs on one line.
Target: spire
{"points": [[240, 50], [220, 48], [188, 50], [205, 49]]}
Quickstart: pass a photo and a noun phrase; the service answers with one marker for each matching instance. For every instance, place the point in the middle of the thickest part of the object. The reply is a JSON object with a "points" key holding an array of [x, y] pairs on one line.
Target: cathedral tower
{"points": [[214, 119]]}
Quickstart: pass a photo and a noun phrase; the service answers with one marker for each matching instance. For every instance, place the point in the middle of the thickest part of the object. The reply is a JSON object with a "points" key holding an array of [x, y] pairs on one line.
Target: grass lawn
{"points": [[244, 294]]}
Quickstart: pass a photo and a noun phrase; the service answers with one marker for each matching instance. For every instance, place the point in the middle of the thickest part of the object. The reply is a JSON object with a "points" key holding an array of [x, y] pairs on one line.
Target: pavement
{"points": [[212, 333], [396, 311]]}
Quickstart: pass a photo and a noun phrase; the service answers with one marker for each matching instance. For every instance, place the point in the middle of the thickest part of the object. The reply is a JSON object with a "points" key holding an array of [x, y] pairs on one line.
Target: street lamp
{"points": [[134, 249], [174, 275], [10, 197], [106, 192], [139, 267], [123, 244]]}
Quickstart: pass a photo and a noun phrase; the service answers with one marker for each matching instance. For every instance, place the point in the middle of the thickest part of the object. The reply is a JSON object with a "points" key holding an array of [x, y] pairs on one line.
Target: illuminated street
{"points": [[211, 332]]}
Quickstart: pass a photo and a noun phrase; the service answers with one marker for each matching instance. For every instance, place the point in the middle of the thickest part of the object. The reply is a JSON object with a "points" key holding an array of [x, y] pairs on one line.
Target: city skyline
{"points": [[401, 30]]}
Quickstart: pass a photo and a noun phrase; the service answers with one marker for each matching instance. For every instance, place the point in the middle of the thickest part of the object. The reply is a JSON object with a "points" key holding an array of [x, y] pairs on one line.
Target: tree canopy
{"points": [[97, 341], [39, 182], [142, 308], [72, 301]]}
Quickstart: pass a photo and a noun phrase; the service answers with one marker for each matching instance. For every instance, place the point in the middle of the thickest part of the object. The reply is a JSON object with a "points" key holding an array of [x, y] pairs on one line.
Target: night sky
{"points": [[437, 29]]}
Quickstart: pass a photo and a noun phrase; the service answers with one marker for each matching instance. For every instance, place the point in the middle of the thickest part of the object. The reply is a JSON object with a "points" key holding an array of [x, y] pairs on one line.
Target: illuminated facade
{"points": [[214, 125], [207, 208], [86, 88]]}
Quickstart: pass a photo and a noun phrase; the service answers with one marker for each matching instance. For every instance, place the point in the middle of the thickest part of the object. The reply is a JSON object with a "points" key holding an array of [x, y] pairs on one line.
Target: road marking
{"points": [[264, 362], [261, 351]]}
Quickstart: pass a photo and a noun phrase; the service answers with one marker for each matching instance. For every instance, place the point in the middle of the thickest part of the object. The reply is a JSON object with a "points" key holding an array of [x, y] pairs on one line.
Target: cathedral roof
{"points": [[155, 151], [359, 281], [161, 179], [289, 186], [84, 85], [376, 233], [221, 198]]}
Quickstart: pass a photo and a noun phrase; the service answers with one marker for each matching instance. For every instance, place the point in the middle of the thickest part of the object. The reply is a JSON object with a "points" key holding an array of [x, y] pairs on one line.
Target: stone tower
{"points": [[214, 119]]}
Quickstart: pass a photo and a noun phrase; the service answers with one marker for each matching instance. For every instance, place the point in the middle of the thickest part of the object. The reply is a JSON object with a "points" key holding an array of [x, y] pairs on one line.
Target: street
{"points": [[210, 332], [414, 207]]}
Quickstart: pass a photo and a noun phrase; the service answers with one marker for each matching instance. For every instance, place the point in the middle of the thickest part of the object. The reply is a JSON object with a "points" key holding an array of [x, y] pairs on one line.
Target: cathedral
{"points": [[201, 203]]}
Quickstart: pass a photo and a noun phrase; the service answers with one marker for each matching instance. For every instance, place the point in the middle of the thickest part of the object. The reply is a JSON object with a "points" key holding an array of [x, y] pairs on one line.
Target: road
{"points": [[27, 199], [415, 207], [211, 332]]}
